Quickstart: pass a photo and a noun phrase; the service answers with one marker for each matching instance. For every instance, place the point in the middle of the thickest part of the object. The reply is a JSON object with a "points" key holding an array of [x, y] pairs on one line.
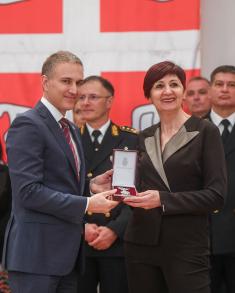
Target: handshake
{"points": [[101, 200]]}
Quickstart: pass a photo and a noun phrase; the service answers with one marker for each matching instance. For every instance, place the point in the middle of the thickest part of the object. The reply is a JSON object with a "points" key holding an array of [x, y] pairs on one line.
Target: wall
{"points": [[217, 34]]}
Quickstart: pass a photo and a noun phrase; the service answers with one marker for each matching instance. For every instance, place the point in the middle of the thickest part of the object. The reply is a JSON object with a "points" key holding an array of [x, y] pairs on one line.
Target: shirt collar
{"points": [[216, 119], [52, 109], [102, 129]]}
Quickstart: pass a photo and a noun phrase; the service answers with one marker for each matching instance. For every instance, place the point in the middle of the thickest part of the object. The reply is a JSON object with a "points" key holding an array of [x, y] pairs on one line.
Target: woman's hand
{"points": [[148, 199]]}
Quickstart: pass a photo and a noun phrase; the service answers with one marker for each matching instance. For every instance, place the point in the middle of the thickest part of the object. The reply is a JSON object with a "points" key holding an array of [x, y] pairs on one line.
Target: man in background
{"points": [[197, 96], [78, 118], [105, 263], [223, 221]]}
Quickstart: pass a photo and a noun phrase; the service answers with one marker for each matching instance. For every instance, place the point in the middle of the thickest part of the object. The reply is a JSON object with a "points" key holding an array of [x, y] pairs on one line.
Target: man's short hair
{"points": [[222, 69], [59, 57], [105, 83], [198, 78]]}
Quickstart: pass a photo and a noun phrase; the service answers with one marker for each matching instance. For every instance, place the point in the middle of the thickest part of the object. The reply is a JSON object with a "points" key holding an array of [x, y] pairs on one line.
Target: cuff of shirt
{"points": [[87, 204]]}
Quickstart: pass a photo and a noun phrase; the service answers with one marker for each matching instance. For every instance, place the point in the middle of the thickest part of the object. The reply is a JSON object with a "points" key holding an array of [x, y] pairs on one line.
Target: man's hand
{"points": [[105, 238], [91, 232], [101, 182], [99, 203], [147, 200]]}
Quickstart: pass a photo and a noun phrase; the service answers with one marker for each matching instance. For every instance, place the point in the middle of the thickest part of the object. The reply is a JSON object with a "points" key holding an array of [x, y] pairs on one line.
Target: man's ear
{"points": [[44, 80], [110, 101]]}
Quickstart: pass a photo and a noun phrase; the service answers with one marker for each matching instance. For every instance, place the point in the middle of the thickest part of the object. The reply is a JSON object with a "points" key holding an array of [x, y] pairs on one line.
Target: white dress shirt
{"points": [[57, 116], [216, 119], [102, 129]]}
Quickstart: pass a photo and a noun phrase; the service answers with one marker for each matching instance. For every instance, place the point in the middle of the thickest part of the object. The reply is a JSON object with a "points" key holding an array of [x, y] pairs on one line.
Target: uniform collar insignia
{"points": [[115, 131], [82, 128]]}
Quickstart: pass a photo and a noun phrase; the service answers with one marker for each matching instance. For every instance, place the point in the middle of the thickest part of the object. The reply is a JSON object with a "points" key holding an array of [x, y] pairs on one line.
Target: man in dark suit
{"points": [[223, 221], [5, 210], [43, 242], [103, 233]]}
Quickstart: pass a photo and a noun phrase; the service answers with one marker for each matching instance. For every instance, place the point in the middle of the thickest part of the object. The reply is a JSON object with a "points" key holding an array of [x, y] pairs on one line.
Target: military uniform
{"points": [[97, 162]]}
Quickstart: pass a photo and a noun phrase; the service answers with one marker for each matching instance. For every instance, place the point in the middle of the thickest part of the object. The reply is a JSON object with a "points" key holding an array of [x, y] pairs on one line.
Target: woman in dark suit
{"points": [[182, 179]]}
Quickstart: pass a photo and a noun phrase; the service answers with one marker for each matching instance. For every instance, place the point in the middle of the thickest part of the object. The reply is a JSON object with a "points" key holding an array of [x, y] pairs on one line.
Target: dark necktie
{"points": [[65, 128], [225, 132], [96, 144]]}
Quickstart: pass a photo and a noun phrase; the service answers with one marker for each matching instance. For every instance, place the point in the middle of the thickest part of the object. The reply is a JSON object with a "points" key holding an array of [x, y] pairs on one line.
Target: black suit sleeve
{"points": [[5, 190], [119, 224]]}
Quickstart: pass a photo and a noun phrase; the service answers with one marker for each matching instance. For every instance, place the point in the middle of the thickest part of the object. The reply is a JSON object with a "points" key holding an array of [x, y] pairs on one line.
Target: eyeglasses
{"points": [[91, 98]]}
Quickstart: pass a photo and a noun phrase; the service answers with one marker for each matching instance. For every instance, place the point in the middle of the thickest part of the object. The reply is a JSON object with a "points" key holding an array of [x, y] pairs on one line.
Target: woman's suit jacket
{"points": [[191, 178]]}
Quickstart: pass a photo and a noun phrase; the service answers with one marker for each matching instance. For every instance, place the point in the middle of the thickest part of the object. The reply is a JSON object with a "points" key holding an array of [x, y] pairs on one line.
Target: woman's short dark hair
{"points": [[158, 71]]}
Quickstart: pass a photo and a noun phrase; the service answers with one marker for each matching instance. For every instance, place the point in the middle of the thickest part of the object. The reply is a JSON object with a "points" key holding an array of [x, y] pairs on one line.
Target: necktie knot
{"points": [[96, 133], [225, 123], [225, 132], [96, 144], [64, 122]]}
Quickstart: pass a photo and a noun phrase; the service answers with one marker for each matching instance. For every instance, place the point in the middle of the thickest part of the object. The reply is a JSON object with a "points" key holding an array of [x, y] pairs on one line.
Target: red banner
{"points": [[31, 17], [18, 92], [149, 15]]}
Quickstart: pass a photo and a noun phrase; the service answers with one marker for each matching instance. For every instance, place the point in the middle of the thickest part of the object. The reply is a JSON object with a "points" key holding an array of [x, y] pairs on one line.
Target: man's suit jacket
{"points": [[191, 178], [223, 220], [44, 232], [116, 137], [5, 202]]}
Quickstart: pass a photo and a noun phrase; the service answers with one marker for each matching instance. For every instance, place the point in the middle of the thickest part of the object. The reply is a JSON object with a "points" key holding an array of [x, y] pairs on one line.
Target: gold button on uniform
{"points": [[89, 175], [107, 215], [215, 211], [89, 213]]}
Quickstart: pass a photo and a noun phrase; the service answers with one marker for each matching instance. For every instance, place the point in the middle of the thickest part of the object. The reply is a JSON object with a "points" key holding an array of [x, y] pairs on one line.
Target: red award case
{"points": [[124, 173]]}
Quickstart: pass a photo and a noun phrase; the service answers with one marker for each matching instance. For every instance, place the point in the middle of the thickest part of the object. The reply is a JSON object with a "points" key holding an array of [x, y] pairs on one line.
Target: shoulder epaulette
{"points": [[82, 128], [115, 130], [129, 129]]}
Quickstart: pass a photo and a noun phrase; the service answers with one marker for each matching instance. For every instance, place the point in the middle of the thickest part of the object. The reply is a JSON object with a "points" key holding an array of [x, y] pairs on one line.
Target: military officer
{"points": [[105, 264]]}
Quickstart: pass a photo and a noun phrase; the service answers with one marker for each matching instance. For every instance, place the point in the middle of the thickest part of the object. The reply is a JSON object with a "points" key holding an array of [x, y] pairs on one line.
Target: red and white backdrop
{"points": [[119, 39]]}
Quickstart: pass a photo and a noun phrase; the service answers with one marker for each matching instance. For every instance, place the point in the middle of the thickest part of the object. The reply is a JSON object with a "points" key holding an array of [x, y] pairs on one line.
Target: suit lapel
{"points": [[87, 146], [229, 146], [57, 133], [77, 140], [153, 148], [180, 139]]}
